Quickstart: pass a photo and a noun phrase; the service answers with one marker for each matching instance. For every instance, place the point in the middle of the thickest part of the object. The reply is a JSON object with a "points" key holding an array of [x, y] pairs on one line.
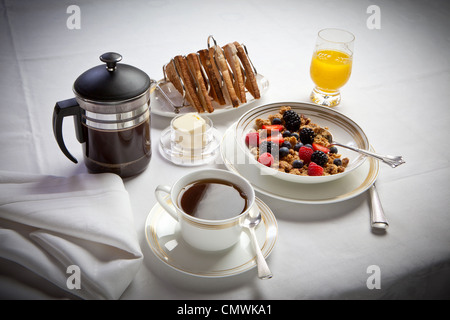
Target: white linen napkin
{"points": [[76, 232]]}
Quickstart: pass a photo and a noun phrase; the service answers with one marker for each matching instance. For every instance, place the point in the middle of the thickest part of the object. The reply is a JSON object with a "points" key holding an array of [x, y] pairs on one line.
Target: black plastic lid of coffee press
{"points": [[114, 82]]}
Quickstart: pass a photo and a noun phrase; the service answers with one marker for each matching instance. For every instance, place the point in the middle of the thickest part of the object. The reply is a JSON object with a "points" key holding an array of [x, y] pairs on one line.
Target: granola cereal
{"points": [[294, 142]]}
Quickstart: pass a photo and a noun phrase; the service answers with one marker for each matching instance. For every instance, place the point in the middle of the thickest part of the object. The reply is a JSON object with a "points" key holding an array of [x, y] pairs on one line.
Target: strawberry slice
{"points": [[278, 139], [252, 139], [320, 148], [272, 127], [266, 159]]}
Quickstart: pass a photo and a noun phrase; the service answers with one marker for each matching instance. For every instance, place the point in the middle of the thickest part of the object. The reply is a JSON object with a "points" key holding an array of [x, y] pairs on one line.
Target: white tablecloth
{"points": [[398, 93]]}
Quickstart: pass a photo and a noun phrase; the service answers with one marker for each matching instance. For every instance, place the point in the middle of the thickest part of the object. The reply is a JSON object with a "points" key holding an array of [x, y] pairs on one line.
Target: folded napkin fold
{"points": [[77, 232]]}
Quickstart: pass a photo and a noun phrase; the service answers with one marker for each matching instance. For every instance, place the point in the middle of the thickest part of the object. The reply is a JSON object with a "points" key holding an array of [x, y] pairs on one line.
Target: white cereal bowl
{"points": [[344, 130]]}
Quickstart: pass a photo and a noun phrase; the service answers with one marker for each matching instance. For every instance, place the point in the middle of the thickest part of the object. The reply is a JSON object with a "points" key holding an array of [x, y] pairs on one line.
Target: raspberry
{"points": [[314, 169], [252, 139], [305, 153], [266, 159]]}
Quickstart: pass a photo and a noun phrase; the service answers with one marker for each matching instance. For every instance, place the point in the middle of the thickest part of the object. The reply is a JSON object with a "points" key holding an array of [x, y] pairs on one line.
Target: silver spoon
{"points": [[251, 220], [377, 218], [393, 161]]}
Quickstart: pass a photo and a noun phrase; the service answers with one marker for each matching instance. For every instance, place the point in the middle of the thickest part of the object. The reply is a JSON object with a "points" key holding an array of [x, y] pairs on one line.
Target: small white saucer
{"points": [[205, 156], [164, 239]]}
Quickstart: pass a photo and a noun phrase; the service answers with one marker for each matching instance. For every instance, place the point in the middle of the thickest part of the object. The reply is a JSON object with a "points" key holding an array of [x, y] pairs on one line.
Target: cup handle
{"points": [[163, 201]]}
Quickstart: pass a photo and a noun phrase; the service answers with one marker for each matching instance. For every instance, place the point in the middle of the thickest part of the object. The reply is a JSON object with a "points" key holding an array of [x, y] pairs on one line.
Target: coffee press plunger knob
{"points": [[111, 58]]}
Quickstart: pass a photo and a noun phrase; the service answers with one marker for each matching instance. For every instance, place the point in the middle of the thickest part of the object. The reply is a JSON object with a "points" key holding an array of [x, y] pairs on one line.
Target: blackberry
{"points": [[292, 120], [265, 146], [307, 136], [289, 113], [319, 157]]}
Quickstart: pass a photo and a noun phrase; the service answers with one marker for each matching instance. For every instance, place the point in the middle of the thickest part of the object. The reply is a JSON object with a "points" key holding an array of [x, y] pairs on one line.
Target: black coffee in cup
{"points": [[212, 199]]}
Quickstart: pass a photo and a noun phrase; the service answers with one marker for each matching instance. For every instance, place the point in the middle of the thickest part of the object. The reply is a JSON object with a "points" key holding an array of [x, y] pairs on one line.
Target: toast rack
{"points": [[178, 101]]}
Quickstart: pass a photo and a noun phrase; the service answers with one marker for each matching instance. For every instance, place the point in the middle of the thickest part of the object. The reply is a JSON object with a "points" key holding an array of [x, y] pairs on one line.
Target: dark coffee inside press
{"points": [[124, 152], [212, 199]]}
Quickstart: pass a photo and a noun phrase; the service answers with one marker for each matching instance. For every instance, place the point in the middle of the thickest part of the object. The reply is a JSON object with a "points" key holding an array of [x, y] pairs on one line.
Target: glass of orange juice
{"points": [[331, 65]]}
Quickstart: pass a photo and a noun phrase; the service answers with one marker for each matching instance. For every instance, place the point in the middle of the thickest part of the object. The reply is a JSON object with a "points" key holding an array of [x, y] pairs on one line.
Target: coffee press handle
{"points": [[69, 107]]}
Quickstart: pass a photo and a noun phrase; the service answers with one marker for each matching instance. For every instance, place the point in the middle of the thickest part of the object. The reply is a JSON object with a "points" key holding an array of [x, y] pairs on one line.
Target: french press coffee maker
{"points": [[111, 111]]}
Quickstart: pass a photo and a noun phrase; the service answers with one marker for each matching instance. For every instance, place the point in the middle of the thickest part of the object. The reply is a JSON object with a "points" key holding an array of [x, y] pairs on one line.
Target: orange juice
{"points": [[330, 69]]}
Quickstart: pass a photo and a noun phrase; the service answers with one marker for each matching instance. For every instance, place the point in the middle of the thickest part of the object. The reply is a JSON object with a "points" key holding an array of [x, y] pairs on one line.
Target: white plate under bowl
{"points": [[344, 130], [350, 186]]}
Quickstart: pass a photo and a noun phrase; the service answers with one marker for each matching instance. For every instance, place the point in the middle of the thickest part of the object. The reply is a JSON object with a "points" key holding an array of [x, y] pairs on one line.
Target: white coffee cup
{"points": [[206, 234]]}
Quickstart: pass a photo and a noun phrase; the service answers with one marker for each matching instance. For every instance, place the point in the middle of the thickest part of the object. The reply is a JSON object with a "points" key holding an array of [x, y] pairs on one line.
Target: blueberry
{"points": [[337, 162], [276, 121], [296, 136], [298, 146], [309, 146], [284, 151], [297, 164], [333, 149], [286, 133], [287, 144]]}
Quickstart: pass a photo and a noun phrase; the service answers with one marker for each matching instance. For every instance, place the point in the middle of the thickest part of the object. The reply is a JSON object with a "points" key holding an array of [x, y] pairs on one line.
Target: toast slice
{"points": [[189, 85], [200, 82], [215, 91], [218, 75], [217, 52], [250, 81], [238, 74], [173, 76]]}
